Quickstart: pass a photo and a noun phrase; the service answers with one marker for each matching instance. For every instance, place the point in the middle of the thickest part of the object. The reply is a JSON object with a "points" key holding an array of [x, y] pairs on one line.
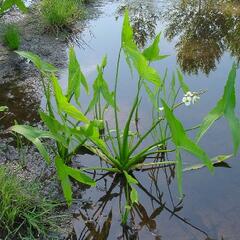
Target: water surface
{"points": [[201, 39]]}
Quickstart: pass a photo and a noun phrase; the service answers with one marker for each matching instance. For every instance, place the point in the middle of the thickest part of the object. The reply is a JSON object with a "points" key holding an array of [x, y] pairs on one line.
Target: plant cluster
{"points": [[123, 149], [60, 14], [11, 37], [23, 212]]}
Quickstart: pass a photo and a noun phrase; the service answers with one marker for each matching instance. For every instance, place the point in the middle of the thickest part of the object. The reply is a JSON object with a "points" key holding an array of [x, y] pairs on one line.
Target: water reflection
{"points": [[205, 29], [23, 100], [144, 16], [100, 219]]}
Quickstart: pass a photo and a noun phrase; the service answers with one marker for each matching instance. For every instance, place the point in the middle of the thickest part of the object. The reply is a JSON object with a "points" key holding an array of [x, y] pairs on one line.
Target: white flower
{"points": [[190, 97], [161, 109], [186, 100], [195, 98], [189, 94]]}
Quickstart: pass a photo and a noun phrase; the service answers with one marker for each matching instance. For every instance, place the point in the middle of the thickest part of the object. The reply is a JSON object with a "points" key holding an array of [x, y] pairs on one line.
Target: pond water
{"points": [[202, 39]]}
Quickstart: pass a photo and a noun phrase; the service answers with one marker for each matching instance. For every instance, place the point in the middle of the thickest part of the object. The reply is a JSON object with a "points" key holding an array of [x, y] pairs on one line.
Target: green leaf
{"points": [[127, 33], [103, 86], [151, 95], [100, 87], [36, 60], [183, 85], [213, 115], [134, 195], [225, 107], [64, 105], [75, 77], [229, 109], [127, 38], [61, 132], [64, 179], [34, 135], [173, 86], [144, 70], [7, 4], [179, 171], [104, 62], [107, 95], [216, 160], [20, 4], [152, 53], [3, 108], [130, 179], [181, 140], [64, 172], [79, 176], [126, 214]]}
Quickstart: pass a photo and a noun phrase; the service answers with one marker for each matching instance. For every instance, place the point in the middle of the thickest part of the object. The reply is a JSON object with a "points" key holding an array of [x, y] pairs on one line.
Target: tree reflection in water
{"points": [[144, 16], [205, 29], [94, 220]]}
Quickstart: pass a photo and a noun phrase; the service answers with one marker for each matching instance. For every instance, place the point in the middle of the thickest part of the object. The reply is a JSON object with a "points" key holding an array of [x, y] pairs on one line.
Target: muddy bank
{"points": [[34, 38], [21, 91], [19, 80]]}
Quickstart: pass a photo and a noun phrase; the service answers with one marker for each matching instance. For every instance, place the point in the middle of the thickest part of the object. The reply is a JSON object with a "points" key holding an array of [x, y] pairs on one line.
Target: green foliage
{"points": [[182, 141], [3, 108], [72, 127], [225, 107], [215, 161], [34, 135], [60, 14], [75, 77], [11, 37], [183, 85], [5, 5], [23, 212], [41, 65], [69, 137], [64, 172], [152, 53], [101, 89]]}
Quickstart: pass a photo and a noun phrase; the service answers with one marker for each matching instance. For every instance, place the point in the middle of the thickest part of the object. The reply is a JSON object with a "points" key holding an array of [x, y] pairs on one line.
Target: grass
{"points": [[11, 37], [23, 212], [60, 14]]}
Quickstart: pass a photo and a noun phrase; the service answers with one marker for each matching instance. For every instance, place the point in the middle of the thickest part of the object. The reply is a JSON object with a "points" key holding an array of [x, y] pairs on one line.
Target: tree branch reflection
{"points": [[205, 29]]}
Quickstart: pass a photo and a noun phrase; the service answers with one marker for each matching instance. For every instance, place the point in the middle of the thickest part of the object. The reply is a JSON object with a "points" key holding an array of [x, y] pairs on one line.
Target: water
{"points": [[198, 42], [202, 40]]}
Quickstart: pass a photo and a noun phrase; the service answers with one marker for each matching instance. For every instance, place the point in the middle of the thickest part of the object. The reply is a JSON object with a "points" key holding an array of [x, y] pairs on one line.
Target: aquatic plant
{"points": [[11, 37], [69, 137], [121, 148], [60, 14], [23, 212]]}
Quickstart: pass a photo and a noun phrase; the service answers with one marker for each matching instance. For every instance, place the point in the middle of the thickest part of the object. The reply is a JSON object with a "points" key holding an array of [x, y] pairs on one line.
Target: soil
{"points": [[21, 92]]}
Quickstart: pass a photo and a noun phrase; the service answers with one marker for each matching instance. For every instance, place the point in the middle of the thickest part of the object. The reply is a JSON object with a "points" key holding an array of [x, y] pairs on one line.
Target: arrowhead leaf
{"points": [[41, 65], [225, 107], [63, 104]]}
